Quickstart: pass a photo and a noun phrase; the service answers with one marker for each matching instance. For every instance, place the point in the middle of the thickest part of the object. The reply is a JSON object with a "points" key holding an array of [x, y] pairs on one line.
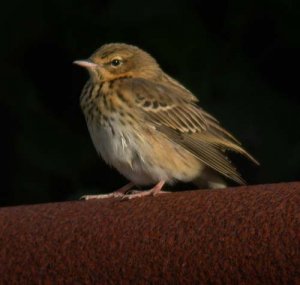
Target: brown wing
{"points": [[183, 122]]}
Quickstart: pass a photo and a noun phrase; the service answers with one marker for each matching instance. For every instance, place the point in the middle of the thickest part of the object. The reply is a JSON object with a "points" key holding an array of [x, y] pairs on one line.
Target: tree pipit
{"points": [[149, 127]]}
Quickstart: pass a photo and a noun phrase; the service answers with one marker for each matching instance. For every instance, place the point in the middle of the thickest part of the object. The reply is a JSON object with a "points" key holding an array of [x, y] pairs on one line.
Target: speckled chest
{"points": [[109, 122], [95, 101]]}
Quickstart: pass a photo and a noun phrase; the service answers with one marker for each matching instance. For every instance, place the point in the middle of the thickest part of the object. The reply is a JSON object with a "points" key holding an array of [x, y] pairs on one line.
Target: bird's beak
{"points": [[86, 63]]}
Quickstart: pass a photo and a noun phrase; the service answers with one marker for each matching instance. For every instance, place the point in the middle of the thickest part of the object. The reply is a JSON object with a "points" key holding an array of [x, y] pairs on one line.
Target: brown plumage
{"points": [[149, 127]]}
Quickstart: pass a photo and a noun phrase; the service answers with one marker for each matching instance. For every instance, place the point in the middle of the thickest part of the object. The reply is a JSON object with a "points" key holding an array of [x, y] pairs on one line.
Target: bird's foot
{"points": [[121, 192], [153, 191]]}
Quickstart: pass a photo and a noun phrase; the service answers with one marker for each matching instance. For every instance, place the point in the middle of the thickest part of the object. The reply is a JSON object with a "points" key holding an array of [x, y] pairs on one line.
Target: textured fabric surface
{"points": [[243, 235]]}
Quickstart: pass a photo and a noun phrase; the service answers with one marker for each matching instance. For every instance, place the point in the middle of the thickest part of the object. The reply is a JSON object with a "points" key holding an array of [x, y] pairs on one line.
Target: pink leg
{"points": [[153, 191], [125, 188], [118, 193]]}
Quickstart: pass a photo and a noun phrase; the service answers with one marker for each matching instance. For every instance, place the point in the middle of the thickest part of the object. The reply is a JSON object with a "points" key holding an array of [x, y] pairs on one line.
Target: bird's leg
{"points": [[153, 191], [118, 193]]}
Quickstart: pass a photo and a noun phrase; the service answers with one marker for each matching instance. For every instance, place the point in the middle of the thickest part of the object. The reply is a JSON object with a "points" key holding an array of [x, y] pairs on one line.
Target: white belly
{"points": [[122, 150], [142, 159]]}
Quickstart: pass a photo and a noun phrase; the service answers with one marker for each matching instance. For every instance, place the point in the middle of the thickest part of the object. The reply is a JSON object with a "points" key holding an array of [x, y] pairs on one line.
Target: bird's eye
{"points": [[115, 62]]}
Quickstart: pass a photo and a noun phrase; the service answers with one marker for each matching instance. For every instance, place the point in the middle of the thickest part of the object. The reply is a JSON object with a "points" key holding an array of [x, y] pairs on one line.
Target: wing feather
{"points": [[173, 112]]}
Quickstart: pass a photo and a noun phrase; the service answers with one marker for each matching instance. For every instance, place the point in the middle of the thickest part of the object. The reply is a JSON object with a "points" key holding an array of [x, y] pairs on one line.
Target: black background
{"points": [[239, 57]]}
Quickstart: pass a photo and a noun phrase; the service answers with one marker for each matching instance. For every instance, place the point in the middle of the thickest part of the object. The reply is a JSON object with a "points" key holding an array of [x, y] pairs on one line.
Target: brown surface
{"points": [[245, 235]]}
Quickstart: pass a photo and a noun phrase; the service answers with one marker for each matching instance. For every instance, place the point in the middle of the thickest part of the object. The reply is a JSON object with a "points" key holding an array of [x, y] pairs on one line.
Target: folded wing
{"points": [[173, 111]]}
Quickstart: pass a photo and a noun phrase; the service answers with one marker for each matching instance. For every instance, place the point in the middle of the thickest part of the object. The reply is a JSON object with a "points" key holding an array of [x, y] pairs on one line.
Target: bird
{"points": [[149, 127]]}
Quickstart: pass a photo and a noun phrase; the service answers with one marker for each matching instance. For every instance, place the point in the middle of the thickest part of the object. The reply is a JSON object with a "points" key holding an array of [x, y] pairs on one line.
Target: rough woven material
{"points": [[244, 235]]}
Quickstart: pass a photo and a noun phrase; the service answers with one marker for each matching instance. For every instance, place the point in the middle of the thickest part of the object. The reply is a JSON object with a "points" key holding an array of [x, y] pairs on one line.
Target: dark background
{"points": [[239, 57]]}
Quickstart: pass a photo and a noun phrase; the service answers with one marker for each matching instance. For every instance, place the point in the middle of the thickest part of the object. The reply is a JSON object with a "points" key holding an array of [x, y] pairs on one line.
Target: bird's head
{"points": [[112, 61]]}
